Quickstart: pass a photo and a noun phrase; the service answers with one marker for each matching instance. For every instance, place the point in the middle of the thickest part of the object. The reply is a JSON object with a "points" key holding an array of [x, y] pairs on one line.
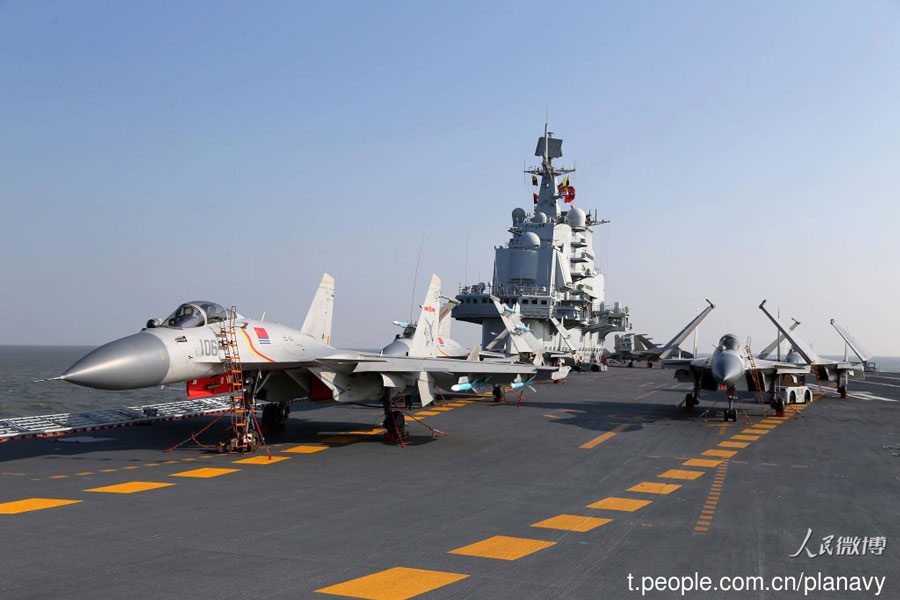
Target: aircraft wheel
{"points": [[793, 398], [726, 415], [842, 390], [734, 415], [230, 445], [778, 405], [252, 442], [807, 397], [399, 421]]}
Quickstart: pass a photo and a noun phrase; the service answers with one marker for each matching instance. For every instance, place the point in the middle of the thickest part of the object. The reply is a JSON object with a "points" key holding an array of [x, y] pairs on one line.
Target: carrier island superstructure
{"points": [[548, 268]]}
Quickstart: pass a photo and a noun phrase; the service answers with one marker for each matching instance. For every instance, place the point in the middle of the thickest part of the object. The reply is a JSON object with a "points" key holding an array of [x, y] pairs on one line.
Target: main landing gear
{"points": [[274, 417], [394, 421], [690, 401]]}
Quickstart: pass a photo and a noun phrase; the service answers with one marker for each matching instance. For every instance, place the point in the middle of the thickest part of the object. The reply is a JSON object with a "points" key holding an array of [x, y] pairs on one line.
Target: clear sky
{"points": [[157, 152]]}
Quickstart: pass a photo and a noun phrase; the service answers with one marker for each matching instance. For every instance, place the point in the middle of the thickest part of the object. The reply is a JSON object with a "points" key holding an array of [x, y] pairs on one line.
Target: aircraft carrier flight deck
{"points": [[601, 475]]}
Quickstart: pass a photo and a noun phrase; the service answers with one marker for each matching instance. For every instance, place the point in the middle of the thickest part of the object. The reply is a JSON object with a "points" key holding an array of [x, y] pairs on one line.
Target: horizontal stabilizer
{"points": [[799, 345], [851, 341], [778, 339], [669, 348]]}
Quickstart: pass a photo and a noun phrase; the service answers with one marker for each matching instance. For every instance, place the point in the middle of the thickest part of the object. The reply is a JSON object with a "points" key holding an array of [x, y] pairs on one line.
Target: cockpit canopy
{"points": [[195, 314], [729, 341]]}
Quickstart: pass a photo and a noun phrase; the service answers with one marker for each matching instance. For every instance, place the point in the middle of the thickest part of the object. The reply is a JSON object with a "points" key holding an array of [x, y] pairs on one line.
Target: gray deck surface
{"points": [[287, 529]]}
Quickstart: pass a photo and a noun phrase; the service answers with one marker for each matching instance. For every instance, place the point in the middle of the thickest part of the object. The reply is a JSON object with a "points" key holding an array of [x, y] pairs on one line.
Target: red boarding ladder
{"points": [[757, 383]]}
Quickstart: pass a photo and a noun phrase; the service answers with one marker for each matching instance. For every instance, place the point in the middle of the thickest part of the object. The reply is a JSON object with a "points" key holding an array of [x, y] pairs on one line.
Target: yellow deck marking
{"points": [[768, 426], [623, 504], [205, 473], [602, 438], [652, 487], [503, 547], [701, 462], [131, 487], [261, 460], [681, 474], [749, 438], [85, 473], [455, 404], [734, 444], [58, 476], [169, 462], [183, 459], [756, 431], [108, 470], [442, 408], [29, 504], [426, 413], [720, 453], [305, 449], [151, 465], [130, 468], [398, 583], [572, 523]]}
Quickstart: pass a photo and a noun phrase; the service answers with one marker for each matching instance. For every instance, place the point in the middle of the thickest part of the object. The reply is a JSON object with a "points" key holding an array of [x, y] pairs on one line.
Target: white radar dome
{"points": [[518, 216], [576, 218], [529, 239], [539, 217]]}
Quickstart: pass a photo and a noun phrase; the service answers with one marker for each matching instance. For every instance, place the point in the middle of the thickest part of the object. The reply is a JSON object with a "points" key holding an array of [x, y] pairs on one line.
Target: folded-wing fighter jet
{"points": [[653, 351], [281, 363], [727, 365], [826, 369]]}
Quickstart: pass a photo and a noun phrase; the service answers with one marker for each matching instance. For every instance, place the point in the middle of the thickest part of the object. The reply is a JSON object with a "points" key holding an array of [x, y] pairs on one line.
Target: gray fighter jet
{"points": [[651, 352], [727, 365], [825, 368], [280, 363]]}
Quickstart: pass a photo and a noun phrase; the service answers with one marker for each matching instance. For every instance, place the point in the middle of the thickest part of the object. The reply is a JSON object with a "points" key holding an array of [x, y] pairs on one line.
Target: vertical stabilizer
{"points": [[317, 324], [445, 318], [423, 341]]}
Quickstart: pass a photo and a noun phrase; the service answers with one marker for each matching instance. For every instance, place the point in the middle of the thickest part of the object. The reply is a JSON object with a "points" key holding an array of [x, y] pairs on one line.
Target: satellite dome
{"points": [[518, 216], [539, 217], [529, 239], [576, 218]]}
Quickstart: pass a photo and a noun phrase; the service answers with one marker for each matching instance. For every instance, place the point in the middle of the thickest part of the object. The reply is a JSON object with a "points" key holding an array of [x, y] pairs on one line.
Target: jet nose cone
{"points": [[136, 361], [727, 368]]}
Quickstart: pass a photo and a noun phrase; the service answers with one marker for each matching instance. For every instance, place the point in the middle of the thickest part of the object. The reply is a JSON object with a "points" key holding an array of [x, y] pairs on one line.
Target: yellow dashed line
{"points": [[572, 523], [756, 431], [58, 476], [622, 504], [652, 487], [205, 473], [398, 583], [85, 473], [502, 547], [701, 462], [305, 449], [749, 438], [720, 453], [30, 504], [261, 460], [734, 444], [681, 474], [131, 487]]}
